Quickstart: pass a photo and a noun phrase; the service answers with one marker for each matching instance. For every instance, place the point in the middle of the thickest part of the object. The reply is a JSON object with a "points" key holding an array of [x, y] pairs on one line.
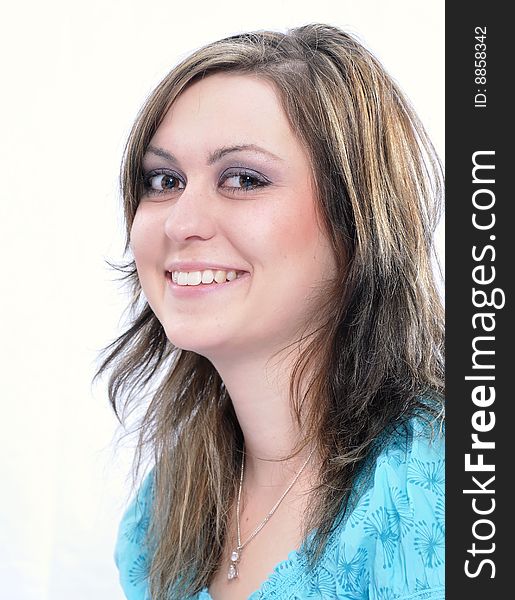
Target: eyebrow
{"points": [[218, 154]]}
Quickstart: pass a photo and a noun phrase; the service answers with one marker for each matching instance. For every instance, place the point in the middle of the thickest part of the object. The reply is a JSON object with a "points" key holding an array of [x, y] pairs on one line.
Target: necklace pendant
{"points": [[235, 556], [232, 572]]}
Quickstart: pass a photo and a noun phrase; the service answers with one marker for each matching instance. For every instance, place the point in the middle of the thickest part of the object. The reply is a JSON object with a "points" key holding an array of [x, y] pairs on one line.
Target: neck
{"points": [[259, 390]]}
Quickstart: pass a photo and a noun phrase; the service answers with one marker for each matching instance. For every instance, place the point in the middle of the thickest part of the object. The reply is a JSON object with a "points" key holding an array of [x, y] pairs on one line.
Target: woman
{"points": [[280, 200]]}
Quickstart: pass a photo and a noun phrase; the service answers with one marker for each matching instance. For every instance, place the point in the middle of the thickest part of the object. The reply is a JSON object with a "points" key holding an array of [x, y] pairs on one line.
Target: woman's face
{"points": [[228, 194]]}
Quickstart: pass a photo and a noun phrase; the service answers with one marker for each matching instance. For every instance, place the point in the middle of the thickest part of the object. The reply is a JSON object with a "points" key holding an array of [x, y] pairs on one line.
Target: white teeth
{"points": [[206, 277], [194, 277]]}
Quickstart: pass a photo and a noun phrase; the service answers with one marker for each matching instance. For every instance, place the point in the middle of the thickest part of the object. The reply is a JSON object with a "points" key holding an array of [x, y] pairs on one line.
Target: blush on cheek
{"points": [[302, 230]]}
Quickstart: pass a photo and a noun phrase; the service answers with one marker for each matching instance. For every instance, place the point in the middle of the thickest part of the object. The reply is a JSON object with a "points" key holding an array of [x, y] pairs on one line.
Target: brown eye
{"points": [[158, 182], [243, 181], [163, 182]]}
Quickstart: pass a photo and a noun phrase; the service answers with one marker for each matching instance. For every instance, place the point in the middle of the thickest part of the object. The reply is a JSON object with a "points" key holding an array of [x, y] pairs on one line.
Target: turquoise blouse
{"points": [[390, 546]]}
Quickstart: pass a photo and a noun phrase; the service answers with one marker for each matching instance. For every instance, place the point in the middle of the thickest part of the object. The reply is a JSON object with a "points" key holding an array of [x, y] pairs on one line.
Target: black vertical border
{"points": [[470, 129]]}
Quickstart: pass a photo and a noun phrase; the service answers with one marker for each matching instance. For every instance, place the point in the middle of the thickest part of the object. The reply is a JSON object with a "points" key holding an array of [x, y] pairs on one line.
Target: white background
{"points": [[73, 76]]}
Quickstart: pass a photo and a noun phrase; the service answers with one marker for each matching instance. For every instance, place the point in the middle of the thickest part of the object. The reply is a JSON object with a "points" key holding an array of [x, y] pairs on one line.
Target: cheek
{"points": [[308, 259], [146, 247], [300, 236], [284, 241], [143, 238]]}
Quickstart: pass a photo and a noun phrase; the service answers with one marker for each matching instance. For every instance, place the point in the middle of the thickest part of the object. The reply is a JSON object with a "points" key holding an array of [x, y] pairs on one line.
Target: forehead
{"points": [[224, 109]]}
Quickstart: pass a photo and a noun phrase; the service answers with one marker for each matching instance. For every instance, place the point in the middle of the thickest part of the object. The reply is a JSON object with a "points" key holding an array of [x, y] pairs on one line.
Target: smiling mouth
{"points": [[206, 277]]}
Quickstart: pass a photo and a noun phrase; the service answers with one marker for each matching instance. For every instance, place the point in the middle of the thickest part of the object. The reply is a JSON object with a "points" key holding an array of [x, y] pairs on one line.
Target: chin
{"points": [[202, 343]]}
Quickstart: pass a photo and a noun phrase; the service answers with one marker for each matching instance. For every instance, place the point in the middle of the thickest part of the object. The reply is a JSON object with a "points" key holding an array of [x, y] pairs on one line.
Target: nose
{"points": [[191, 216]]}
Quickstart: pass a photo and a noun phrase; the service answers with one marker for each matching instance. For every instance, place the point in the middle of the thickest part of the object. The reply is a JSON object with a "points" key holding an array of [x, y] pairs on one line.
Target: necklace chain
{"points": [[236, 554]]}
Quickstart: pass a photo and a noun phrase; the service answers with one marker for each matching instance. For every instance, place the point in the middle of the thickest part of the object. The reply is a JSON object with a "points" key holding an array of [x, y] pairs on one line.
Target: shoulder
{"points": [[406, 514], [390, 545], [131, 553]]}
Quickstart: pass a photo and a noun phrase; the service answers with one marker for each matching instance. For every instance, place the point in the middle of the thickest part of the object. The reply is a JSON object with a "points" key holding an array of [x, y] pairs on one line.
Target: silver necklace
{"points": [[232, 572]]}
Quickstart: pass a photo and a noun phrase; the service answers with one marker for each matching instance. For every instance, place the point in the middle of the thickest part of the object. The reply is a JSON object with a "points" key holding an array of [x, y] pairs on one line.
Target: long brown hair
{"points": [[377, 358]]}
